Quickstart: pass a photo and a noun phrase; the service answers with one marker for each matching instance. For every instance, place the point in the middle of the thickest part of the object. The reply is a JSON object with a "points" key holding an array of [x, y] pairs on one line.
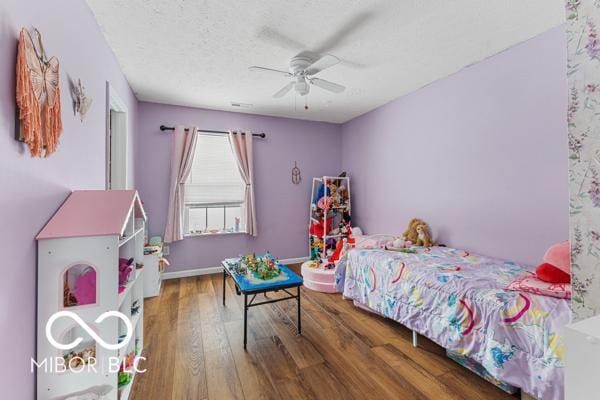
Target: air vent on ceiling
{"points": [[241, 105]]}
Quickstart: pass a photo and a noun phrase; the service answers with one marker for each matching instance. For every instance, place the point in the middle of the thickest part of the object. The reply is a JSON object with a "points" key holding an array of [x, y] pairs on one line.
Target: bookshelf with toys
{"points": [[329, 226], [92, 248]]}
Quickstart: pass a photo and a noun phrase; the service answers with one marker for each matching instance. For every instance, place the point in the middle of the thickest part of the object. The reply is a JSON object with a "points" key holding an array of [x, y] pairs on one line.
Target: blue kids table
{"points": [[248, 285]]}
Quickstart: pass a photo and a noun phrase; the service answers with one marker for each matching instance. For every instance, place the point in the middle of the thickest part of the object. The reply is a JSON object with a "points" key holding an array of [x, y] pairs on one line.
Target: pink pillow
{"points": [[559, 255], [373, 241], [85, 288], [530, 283]]}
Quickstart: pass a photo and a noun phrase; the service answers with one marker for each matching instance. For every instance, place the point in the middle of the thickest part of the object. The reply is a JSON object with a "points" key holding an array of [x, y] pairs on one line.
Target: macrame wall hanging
{"points": [[38, 96], [296, 177]]}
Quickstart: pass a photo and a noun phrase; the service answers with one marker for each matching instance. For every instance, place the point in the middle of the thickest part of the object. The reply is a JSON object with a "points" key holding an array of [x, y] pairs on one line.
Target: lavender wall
{"points": [[32, 189], [480, 155], [282, 207]]}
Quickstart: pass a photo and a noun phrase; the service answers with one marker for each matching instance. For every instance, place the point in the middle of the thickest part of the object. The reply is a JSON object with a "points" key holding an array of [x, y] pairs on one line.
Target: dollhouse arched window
{"points": [[79, 285]]}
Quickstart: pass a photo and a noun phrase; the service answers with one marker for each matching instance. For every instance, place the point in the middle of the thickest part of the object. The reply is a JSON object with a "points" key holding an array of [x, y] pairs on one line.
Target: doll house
{"points": [[90, 261]]}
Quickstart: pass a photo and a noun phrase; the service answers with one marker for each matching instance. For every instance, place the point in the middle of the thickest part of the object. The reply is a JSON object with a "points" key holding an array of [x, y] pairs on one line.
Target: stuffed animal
{"points": [[336, 198], [317, 228], [423, 236], [398, 243], [410, 234], [317, 213], [324, 203], [125, 268]]}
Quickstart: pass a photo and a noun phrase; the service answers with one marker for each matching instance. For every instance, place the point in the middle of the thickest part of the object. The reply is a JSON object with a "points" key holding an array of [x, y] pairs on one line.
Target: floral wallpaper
{"points": [[583, 72]]}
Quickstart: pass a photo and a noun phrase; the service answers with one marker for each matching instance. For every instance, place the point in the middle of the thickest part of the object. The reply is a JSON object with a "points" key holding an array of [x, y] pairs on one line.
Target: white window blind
{"points": [[215, 177]]}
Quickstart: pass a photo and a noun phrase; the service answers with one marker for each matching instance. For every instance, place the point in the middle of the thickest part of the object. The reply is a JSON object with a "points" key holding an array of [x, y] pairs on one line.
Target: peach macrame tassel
{"points": [[40, 127], [52, 124], [29, 107]]}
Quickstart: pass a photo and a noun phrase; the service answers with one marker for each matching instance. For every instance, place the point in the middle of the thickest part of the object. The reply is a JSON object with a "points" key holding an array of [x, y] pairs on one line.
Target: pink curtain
{"points": [[242, 150], [182, 154]]}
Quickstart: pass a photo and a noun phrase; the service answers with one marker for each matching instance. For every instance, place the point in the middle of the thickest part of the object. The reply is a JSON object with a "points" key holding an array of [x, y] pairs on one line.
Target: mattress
{"points": [[457, 299]]}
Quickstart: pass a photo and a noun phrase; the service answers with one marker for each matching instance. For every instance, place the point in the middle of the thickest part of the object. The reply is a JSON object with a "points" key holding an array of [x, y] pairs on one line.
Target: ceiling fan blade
{"points": [[322, 63], [351, 27], [270, 70], [283, 91], [330, 86]]}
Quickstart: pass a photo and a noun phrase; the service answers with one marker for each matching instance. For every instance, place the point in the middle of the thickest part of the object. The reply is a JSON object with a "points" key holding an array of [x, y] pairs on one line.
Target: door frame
{"points": [[117, 141]]}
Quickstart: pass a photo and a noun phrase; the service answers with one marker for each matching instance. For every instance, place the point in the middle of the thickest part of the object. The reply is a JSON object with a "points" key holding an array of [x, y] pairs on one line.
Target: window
{"points": [[214, 192]]}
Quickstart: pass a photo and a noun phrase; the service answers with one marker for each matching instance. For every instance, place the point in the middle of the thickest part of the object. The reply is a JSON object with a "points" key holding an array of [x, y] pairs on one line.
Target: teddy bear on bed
{"points": [[416, 234], [423, 236], [410, 234]]}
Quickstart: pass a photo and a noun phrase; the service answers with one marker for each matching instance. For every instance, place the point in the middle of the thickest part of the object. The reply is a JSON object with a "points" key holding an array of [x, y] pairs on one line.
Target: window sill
{"points": [[213, 234]]}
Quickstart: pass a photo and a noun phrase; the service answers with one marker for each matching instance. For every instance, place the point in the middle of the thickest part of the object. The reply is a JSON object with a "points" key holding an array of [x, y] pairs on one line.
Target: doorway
{"points": [[117, 146]]}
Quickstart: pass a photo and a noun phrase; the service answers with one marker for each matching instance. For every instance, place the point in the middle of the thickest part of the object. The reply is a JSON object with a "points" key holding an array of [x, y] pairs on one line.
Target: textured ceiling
{"points": [[197, 53]]}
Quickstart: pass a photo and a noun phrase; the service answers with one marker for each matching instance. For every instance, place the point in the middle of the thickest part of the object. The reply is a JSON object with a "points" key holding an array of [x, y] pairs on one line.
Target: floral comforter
{"points": [[457, 299]]}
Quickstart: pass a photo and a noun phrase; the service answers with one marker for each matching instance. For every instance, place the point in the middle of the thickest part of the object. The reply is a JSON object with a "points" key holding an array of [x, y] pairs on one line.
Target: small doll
{"points": [[125, 268]]}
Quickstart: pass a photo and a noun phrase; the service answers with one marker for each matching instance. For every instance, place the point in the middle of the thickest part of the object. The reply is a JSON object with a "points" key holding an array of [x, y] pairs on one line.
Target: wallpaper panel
{"points": [[583, 72]]}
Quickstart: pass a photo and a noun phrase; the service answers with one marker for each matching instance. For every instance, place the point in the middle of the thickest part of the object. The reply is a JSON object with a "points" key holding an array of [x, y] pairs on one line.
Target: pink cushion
{"points": [[559, 255], [530, 283], [373, 241], [85, 288]]}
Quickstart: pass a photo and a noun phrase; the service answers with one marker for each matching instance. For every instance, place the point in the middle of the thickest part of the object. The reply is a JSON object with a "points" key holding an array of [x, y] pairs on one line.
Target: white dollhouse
{"points": [[90, 261]]}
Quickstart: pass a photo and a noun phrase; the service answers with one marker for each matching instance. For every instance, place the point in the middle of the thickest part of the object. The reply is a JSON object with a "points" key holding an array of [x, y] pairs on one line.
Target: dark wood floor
{"points": [[194, 351]]}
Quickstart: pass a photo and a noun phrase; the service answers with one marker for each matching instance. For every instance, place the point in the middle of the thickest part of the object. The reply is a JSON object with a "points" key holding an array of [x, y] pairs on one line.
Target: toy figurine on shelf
{"points": [[124, 378], [125, 268]]}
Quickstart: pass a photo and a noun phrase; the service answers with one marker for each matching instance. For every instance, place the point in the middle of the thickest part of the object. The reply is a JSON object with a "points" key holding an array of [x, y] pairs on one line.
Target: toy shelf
{"points": [[80, 249], [329, 225], [329, 216]]}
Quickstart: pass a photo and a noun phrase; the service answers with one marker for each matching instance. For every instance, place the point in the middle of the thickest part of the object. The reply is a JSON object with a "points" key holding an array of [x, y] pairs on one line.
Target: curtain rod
{"points": [[170, 128]]}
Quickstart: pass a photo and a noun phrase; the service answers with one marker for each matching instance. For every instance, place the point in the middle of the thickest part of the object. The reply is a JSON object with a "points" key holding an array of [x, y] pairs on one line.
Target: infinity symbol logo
{"points": [[89, 330]]}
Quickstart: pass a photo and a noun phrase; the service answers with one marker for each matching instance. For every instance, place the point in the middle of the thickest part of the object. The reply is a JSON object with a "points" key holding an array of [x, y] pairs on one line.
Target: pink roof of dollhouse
{"points": [[93, 213]]}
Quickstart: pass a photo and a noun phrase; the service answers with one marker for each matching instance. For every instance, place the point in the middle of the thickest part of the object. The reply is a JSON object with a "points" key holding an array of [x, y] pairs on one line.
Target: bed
{"points": [[457, 299]]}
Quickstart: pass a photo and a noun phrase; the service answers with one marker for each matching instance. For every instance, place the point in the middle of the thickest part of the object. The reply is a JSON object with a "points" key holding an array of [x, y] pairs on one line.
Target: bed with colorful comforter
{"points": [[457, 299]]}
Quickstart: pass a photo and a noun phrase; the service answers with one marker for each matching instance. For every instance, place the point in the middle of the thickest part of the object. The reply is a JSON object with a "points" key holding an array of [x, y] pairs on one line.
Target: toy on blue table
{"points": [[265, 267]]}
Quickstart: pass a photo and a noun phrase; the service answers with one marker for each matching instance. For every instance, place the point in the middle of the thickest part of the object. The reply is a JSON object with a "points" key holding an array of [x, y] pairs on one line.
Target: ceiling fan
{"points": [[302, 71]]}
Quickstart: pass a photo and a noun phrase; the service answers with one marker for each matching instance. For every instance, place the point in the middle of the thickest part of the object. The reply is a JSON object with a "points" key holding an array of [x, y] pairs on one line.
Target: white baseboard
{"points": [[213, 270]]}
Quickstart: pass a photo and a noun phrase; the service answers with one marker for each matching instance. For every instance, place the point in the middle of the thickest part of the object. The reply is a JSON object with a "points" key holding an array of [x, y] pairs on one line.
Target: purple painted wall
{"points": [[480, 155], [282, 207], [32, 189]]}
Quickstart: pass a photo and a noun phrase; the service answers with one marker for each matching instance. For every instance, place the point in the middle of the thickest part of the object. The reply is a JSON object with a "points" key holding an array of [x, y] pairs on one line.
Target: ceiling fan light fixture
{"points": [[302, 88]]}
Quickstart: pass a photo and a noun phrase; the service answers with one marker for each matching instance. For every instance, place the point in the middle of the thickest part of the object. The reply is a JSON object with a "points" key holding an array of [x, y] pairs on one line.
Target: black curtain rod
{"points": [[170, 128]]}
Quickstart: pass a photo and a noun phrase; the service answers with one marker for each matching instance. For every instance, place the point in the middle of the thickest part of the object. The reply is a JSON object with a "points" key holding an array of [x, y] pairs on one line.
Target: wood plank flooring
{"points": [[194, 351]]}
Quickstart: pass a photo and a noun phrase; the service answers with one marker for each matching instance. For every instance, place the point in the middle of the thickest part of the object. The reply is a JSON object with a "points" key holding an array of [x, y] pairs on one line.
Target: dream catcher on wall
{"points": [[38, 96], [296, 178]]}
